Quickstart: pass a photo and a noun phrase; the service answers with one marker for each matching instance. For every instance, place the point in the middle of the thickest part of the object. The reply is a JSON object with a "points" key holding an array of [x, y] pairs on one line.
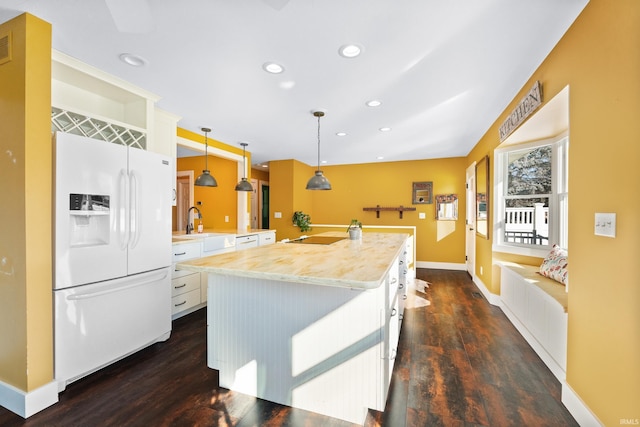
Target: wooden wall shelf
{"points": [[379, 208]]}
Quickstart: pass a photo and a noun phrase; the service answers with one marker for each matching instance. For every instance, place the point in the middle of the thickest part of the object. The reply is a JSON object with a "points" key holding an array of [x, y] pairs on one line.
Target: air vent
{"points": [[5, 47]]}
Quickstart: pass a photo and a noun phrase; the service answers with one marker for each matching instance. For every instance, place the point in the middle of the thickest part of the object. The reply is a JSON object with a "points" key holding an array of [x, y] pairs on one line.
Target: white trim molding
{"points": [[578, 408], [492, 298], [441, 265], [25, 403]]}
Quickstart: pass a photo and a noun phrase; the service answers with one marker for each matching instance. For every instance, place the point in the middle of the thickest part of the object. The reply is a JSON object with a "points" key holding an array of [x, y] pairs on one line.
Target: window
{"points": [[531, 197]]}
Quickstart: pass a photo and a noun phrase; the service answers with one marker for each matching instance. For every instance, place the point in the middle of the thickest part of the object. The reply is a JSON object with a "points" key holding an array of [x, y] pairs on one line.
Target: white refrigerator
{"points": [[112, 278]]}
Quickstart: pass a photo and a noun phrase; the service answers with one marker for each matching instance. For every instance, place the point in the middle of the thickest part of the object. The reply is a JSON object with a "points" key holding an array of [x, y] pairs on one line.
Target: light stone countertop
{"points": [[194, 237], [358, 264]]}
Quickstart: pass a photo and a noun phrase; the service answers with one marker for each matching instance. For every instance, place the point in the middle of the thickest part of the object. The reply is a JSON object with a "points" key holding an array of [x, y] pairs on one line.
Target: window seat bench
{"points": [[538, 308]]}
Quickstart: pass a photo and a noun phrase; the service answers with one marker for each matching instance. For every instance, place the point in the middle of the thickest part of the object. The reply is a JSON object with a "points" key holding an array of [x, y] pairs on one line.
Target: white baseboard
{"points": [[493, 299], [441, 265], [26, 404], [577, 408]]}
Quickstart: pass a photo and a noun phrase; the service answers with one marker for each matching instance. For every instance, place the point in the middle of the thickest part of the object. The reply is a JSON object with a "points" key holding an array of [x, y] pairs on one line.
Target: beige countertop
{"points": [[177, 239], [361, 264]]}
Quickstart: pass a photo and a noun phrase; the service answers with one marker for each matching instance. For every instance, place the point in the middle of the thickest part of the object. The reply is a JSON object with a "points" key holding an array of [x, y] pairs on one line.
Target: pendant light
{"points": [[244, 185], [206, 179], [318, 181]]}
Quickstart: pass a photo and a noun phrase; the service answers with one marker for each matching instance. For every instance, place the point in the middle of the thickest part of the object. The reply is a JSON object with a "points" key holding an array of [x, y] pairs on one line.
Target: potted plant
{"points": [[302, 220], [355, 230]]}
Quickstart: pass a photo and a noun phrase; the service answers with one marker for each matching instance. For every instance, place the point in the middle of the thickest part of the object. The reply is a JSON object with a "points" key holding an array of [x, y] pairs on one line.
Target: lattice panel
{"points": [[79, 124]]}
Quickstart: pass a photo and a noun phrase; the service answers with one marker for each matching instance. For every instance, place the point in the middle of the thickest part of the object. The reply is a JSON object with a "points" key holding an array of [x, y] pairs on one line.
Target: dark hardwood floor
{"points": [[460, 363]]}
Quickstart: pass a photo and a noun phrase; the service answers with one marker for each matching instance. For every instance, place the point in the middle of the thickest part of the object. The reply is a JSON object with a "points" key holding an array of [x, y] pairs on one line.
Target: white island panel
{"points": [[311, 347]]}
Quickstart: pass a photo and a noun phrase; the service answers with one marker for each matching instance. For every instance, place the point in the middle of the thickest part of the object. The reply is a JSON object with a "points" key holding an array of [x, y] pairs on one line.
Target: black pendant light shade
{"points": [[244, 184], [206, 179], [318, 181]]}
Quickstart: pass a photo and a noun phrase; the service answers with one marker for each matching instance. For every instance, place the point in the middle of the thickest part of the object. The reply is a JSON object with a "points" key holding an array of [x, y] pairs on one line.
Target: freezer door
{"points": [[90, 210], [150, 211], [100, 323]]}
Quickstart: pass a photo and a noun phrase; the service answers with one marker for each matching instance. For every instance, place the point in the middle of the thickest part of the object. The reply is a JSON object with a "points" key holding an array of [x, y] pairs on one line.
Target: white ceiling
{"points": [[443, 69]]}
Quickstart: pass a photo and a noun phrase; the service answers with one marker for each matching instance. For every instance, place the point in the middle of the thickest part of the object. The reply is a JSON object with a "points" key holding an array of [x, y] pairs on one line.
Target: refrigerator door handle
{"points": [[127, 285], [134, 209], [123, 224]]}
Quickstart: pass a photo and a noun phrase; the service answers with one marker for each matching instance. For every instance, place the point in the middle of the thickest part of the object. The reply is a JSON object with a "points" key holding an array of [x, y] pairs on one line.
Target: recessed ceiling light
{"points": [[323, 162], [380, 157], [341, 134], [132, 59], [384, 129], [374, 103], [264, 166], [350, 50], [272, 67]]}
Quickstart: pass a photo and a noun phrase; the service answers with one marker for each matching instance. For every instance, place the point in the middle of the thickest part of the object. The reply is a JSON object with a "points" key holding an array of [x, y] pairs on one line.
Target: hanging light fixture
{"points": [[244, 185], [206, 179], [318, 181]]}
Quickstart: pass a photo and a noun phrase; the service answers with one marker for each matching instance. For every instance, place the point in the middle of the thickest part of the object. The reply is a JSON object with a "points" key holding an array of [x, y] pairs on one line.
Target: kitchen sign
{"points": [[525, 108]]}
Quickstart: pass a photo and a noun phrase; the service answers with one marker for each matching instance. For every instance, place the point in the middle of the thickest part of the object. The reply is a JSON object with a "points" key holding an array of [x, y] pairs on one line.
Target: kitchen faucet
{"points": [[189, 225]]}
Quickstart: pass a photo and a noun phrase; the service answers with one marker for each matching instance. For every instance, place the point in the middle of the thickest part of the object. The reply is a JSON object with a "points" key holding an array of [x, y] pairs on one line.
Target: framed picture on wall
{"points": [[422, 193]]}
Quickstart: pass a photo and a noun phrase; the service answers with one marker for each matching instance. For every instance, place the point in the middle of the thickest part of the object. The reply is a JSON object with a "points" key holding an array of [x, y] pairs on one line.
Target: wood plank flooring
{"points": [[460, 363]]}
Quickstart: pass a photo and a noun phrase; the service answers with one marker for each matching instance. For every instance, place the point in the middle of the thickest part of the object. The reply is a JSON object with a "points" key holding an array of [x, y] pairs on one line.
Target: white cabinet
{"points": [[246, 242], [266, 238], [185, 285], [163, 140]]}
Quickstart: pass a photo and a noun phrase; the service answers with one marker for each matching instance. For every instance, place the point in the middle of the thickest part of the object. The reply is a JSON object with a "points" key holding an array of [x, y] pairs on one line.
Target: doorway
{"points": [[470, 246], [264, 205], [184, 195]]}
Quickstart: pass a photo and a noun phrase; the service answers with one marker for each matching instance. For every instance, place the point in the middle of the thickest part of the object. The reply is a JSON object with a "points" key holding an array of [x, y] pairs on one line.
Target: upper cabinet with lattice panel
{"points": [[94, 103]]}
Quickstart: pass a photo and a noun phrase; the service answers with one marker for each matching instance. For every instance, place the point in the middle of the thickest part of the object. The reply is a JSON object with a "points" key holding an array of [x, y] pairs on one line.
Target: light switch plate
{"points": [[605, 224], [277, 214], [422, 215]]}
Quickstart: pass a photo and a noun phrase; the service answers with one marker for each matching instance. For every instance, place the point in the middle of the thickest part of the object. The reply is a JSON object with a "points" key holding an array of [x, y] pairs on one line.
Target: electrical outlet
{"points": [[605, 224], [277, 214], [422, 215]]}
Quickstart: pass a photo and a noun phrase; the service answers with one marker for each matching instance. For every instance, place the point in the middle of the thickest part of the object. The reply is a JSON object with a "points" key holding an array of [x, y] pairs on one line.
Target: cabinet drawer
{"points": [[246, 242], [185, 284], [185, 251], [185, 301], [266, 238]]}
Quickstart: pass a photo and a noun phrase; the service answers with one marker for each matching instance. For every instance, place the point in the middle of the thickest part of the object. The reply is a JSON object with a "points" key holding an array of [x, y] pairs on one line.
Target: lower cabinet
{"points": [[186, 286], [185, 292]]}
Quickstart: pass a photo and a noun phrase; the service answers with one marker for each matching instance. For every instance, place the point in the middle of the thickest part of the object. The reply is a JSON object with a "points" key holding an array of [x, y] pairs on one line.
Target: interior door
{"points": [[470, 246], [185, 199]]}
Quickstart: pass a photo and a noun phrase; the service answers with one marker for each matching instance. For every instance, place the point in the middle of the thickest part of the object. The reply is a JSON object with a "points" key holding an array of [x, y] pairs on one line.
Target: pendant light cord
{"points": [[206, 152], [319, 140]]}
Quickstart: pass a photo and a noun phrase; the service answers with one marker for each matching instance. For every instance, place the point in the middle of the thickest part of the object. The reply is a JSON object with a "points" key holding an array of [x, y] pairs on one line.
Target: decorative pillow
{"points": [[555, 264]]}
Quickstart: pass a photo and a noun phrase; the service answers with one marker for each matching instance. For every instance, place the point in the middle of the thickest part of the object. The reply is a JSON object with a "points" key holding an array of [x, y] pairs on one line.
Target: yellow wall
{"points": [[366, 185], [599, 59], [259, 174], [220, 201], [26, 338], [216, 201]]}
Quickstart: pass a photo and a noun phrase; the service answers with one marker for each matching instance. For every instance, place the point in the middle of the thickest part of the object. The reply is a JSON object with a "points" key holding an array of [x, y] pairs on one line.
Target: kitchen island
{"points": [[312, 326]]}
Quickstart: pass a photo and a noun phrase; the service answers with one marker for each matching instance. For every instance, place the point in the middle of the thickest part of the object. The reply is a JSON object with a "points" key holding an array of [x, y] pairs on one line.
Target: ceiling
{"points": [[443, 70]]}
